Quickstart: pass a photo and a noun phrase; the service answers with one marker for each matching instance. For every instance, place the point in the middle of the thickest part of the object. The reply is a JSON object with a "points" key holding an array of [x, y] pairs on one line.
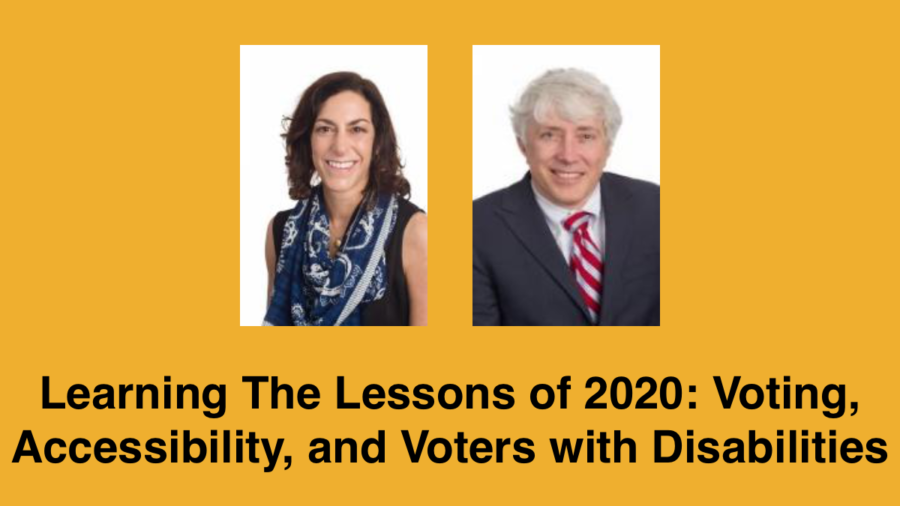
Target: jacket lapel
{"points": [[618, 214], [524, 218]]}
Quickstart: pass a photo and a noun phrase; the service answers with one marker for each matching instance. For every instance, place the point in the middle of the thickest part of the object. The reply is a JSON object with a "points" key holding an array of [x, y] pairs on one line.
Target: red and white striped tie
{"points": [[585, 261]]}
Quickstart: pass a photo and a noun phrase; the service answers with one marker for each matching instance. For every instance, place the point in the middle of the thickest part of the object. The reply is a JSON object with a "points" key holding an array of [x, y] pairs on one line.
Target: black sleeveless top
{"points": [[393, 308]]}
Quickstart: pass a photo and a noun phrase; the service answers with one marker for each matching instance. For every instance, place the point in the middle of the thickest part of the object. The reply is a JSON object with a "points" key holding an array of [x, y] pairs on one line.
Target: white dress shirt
{"points": [[556, 215]]}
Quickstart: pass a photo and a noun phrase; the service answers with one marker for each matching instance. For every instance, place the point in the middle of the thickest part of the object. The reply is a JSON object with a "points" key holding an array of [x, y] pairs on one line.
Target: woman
{"points": [[354, 250]]}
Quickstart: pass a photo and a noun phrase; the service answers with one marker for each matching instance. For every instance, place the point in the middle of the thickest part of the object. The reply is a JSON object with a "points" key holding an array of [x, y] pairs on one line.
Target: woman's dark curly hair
{"points": [[385, 174]]}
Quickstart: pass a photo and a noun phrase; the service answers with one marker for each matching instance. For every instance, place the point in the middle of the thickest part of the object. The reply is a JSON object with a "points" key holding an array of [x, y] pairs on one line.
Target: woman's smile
{"points": [[341, 164]]}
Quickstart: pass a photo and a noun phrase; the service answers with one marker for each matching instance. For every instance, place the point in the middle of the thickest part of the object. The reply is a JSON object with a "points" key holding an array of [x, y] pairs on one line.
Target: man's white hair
{"points": [[571, 94]]}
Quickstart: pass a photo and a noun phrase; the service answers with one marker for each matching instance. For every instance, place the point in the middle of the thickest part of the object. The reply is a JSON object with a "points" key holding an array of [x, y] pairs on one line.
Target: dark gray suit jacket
{"points": [[521, 276]]}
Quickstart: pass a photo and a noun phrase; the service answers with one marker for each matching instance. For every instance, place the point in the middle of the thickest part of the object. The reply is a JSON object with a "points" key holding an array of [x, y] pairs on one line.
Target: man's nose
{"points": [[567, 150]]}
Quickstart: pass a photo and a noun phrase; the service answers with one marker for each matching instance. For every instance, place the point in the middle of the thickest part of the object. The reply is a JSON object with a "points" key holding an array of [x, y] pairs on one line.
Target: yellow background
{"points": [[119, 202]]}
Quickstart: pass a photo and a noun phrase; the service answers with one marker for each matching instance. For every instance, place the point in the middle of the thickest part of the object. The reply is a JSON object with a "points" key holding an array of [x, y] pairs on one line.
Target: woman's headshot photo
{"points": [[339, 236]]}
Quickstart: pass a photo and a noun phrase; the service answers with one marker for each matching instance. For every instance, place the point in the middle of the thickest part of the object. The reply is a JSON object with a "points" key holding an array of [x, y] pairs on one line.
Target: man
{"points": [[568, 244]]}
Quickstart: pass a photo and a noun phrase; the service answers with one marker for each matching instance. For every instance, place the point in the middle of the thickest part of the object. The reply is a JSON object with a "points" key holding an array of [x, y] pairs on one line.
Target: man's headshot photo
{"points": [[568, 238]]}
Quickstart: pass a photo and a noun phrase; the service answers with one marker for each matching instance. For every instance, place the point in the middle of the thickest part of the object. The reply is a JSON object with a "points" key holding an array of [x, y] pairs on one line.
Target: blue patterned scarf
{"points": [[311, 288]]}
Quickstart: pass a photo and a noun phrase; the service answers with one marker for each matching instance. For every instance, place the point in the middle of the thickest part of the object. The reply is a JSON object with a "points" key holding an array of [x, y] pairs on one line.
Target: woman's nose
{"points": [[339, 145]]}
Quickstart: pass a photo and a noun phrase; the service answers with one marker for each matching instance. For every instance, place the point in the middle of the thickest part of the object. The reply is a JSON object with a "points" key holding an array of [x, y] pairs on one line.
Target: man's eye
{"points": [[547, 135], [588, 137]]}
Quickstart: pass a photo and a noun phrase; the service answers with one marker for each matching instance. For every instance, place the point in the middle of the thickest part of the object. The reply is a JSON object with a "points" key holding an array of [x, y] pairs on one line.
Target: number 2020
{"points": [[620, 393]]}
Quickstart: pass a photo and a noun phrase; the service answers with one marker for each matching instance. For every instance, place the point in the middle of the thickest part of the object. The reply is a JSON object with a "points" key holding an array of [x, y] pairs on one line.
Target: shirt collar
{"points": [[556, 215]]}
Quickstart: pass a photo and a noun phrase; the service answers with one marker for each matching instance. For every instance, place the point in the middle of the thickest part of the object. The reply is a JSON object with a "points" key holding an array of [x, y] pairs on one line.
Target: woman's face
{"points": [[342, 140]]}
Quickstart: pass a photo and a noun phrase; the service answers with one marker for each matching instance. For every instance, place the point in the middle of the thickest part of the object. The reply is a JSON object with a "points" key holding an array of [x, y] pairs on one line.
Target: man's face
{"points": [[566, 158]]}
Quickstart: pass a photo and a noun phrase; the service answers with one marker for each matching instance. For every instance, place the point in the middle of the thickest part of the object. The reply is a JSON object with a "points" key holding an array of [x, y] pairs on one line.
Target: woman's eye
{"points": [[359, 130], [322, 129]]}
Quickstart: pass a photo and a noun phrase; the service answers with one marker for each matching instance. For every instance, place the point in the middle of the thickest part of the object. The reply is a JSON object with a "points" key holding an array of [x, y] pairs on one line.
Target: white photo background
{"points": [[500, 74]]}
